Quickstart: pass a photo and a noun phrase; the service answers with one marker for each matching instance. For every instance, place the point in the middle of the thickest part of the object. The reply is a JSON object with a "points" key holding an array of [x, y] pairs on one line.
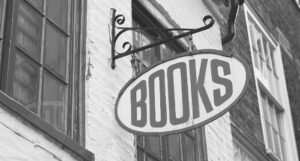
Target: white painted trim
{"points": [[291, 150]]}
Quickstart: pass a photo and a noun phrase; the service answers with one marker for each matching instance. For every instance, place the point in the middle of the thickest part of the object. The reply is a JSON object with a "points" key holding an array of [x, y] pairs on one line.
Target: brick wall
{"points": [[275, 14], [20, 141]]}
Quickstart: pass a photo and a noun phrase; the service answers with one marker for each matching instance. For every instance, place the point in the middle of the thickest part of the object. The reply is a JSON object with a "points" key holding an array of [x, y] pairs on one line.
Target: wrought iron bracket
{"points": [[235, 4], [116, 31], [120, 19]]}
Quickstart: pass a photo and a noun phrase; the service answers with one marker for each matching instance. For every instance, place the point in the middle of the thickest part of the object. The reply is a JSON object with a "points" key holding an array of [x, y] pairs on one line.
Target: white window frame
{"points": [[280, 98], [298, 3]]}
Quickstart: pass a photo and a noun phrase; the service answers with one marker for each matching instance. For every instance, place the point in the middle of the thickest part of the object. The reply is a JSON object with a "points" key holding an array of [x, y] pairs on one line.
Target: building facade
{"points": [[58, 90]]}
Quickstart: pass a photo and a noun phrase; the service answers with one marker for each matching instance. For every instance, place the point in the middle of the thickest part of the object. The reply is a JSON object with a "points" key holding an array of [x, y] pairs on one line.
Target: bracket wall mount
{"points": [[118, 19]]}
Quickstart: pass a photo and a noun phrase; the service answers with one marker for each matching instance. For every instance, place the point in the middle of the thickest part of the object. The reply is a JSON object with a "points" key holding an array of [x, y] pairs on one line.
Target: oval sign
{"points": [[181, 93]]}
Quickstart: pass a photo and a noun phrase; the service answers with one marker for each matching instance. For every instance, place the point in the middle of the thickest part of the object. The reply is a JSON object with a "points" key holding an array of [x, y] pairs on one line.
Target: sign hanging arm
{"points": [[120, 19]]}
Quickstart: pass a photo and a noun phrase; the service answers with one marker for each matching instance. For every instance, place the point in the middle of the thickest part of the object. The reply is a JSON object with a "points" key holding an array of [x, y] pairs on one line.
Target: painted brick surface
{"points": [[22, 142], [104, 137]]}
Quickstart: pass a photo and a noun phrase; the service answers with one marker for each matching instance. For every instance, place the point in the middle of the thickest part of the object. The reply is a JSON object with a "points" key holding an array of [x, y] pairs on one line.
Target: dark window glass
{"points": [[39, 4], [25, 82], [54, 101], [174, 147], [57, 10], [154, 145], [190, 148], [37, 60], [29, 31], [56, 50]]}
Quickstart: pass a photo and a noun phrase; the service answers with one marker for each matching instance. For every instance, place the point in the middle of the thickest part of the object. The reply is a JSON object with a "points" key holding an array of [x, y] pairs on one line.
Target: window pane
{"points": [[166, 52], [190, 149], [28, 31], [277, 143], [54, 102], [151, 159], [140, 155], [25, 82], [140, 140], [174, 147], [56, 51], [154, 145], [269, 135], [37, 3], [57, 10]]}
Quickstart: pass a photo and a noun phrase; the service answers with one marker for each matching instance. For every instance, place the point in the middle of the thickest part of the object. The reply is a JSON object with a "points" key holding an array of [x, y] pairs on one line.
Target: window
{"points": [[269, 78], [265, 55], [41, 64], [185, 146], [272, 118], [176, 147]]}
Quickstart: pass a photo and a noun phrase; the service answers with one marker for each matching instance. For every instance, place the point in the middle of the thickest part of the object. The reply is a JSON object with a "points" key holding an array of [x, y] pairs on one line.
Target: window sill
{"points": [[37, 122], [270, 95], [272, 155]]}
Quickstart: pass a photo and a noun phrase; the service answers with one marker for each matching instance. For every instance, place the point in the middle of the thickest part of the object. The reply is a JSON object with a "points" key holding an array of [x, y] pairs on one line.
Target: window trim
{"points": [[79, 47], [288, 128], [45, 127], [240, 138]]}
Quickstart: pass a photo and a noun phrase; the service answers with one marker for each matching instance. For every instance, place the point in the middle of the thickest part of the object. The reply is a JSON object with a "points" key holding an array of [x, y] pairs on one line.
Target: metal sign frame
{"points": [[205, 51]]}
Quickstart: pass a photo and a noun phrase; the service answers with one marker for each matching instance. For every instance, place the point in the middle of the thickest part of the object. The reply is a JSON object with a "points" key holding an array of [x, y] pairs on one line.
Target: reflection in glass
{"points": [[37, 3], [154, 145], [174, 147], [56, 50], [57, 10], [28, 31], [54, 102], [190, 148], [25, 82]]}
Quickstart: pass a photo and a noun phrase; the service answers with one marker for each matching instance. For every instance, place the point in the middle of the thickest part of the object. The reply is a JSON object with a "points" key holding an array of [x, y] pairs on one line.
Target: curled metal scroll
{"points": [[127, 46]]}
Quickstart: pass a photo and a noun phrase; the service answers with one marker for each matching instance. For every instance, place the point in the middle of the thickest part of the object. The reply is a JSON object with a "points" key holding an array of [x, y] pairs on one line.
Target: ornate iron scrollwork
{"points": [[120, 19]]}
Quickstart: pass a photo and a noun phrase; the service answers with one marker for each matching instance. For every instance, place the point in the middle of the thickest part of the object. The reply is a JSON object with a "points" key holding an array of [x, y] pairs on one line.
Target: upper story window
{"points": [[40, 63], [185, 146], [269, 76], [265, 55]]}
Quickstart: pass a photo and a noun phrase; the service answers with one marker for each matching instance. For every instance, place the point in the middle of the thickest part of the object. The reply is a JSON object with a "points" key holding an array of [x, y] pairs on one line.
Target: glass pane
{"points": [[29, 30], [154, 145], [57, 10], [56, 50], [140, 155], [174, 147], [54, 102], [140, 140], [37, 3], [190, 149], [269, 135], [265, 107], [277, 143], [166, 52], [151, 159], [283, 148], [25, 82]]}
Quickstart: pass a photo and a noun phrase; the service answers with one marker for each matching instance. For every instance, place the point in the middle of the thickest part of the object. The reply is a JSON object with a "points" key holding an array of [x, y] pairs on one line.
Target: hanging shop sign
{"points": [[182, 93]]}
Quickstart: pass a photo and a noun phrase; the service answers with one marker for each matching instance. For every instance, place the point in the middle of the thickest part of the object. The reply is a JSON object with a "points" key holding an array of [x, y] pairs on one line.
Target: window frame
{"points": [[282, 102], [78, 17]]}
